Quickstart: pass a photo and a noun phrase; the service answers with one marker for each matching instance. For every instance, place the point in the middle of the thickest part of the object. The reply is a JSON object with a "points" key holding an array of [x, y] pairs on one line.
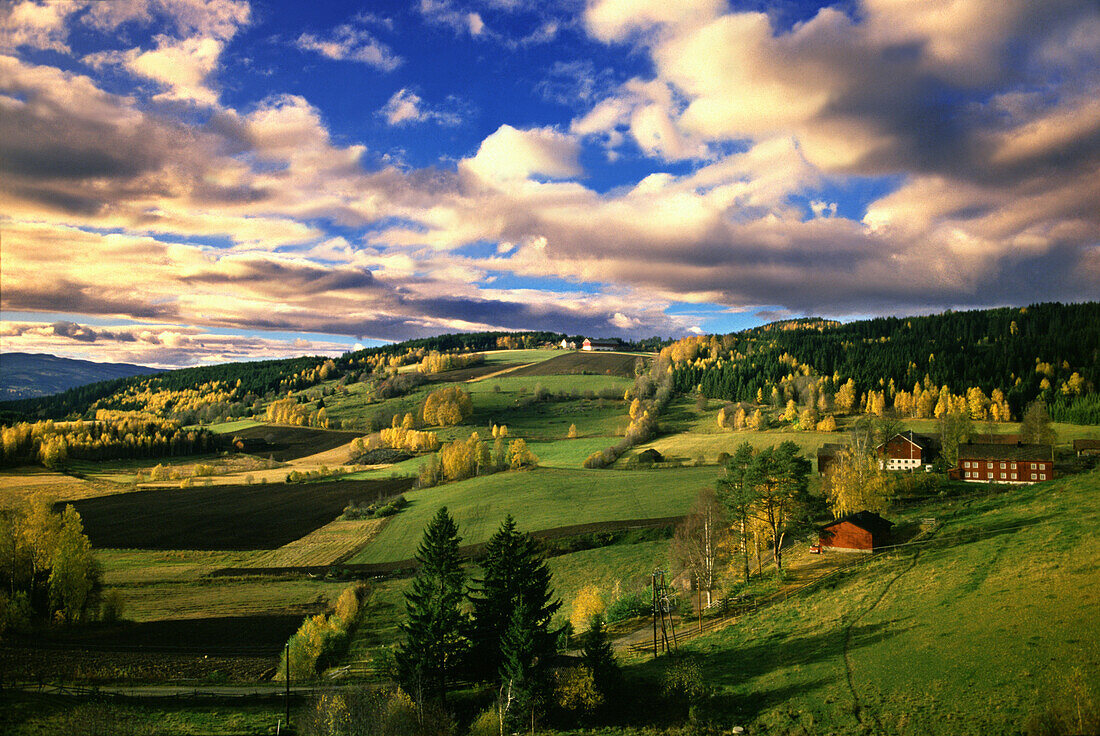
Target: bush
{"points": [[112, 607]]}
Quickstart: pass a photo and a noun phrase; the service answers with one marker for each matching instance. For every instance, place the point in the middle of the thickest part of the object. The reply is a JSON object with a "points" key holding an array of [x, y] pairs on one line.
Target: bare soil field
{"points": [[243, 648], [583, 363], [291, 443], [224, 517]]}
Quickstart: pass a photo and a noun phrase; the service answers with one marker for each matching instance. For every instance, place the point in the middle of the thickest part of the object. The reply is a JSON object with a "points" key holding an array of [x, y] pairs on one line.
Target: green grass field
{"points": [[518, 357], [568, 453], [970, 635], [230, 427], [625, 567], [540, 499]]}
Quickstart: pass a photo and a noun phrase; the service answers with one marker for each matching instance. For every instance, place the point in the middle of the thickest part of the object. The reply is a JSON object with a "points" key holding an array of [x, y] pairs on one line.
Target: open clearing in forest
{"points": [[291, 443], [544, 498], [585, 363], [223, 517]]}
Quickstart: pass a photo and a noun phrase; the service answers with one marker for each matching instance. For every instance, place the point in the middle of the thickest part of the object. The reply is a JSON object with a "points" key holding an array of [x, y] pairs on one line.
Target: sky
{"points": [[197, 181]]}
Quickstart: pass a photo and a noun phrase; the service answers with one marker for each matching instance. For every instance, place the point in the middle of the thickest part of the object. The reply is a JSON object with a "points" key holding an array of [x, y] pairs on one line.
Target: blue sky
{"points": [[194, 181]]}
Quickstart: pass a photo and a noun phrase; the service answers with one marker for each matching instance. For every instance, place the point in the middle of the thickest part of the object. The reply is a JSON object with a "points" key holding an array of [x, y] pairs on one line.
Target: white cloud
{"points": [[405, 107], [510, 154], [350, 43], [618, 20], [219, 19], [181, 67], [37, 25], [475, 23]]}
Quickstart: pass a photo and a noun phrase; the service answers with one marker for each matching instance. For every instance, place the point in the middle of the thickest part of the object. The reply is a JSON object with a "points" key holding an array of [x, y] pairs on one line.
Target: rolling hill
{"points": [[27, 375]]}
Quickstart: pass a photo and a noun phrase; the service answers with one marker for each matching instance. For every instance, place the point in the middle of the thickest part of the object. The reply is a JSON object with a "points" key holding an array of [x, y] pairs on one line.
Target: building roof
{"points": [[597, 341], [868, 520], [1079, 445], [829, 449], [985, 451], [910, 436]]}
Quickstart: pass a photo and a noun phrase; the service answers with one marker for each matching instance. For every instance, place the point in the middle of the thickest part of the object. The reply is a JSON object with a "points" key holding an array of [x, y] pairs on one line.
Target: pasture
{"points": [[243, 517], [544, 498], [328, 545], [616, 568], [990, 623]]}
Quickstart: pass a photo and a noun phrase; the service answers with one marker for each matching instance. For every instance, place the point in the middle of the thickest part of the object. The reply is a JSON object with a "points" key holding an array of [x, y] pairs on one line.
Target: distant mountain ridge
{"points": [[27, 375]]}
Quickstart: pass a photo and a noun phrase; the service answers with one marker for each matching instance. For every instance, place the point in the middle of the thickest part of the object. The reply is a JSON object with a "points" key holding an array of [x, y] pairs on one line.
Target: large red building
{"points": [[996, 463], [864, 531]]}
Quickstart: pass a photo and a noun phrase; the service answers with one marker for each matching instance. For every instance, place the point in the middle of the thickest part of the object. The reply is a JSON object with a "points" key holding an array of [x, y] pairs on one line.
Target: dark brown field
{"points": [[224, 517], [237, 649], [583, 363], [291, 443]]}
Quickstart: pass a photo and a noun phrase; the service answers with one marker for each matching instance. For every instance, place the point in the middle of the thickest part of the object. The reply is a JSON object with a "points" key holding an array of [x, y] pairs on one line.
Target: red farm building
{"points": [[906, 451], [860, 532], [996, 463]]}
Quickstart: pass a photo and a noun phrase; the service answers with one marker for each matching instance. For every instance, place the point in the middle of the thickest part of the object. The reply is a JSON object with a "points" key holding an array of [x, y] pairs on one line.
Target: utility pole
{"points": [[288, 684], [655, 605]]}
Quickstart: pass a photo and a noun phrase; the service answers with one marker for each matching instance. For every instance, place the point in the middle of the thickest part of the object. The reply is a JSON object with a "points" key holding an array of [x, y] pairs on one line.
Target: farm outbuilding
{"points": [[650, 456], [906, 451], [1086, 447], [1011, 464], [864, 531], [590, 344]]}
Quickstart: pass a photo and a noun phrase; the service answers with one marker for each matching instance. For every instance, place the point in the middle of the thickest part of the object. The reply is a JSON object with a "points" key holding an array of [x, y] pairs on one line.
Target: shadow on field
{"points": [[734, 666], [974, 532], [224, 636]]}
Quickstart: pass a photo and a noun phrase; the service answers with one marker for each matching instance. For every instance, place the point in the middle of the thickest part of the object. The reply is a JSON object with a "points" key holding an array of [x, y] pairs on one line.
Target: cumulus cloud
{"points": [[218, 217], [36, 25], [511, 154], [350, 43], [181, 67], [406, 107]]}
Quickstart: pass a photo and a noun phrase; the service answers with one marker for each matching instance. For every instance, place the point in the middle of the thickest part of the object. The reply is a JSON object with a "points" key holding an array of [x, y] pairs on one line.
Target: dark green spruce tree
{"points": [[515, 576], [434, 645], [524, 672], [599, 657]]}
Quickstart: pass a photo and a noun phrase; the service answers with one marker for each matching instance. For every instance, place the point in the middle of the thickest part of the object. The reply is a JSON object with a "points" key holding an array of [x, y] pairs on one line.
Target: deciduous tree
{"points": [[699, 540]]}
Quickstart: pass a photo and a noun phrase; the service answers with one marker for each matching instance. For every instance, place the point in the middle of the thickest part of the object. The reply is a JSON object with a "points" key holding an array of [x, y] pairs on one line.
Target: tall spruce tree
{"points": [[524, 671], [599, 657], [515, 576], [434, 645]]}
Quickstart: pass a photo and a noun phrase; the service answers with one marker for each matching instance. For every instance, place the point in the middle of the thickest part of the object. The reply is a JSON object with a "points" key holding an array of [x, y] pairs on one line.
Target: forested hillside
{"points": [[1048, 351]]}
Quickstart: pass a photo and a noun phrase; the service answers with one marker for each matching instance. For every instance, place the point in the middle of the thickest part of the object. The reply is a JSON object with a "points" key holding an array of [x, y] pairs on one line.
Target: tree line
{"points": [[1047, 351], [114, 435]]}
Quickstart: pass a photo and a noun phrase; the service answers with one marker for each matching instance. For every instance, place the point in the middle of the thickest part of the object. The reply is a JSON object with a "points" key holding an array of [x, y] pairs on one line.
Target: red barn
{"points": [[860, 532]]}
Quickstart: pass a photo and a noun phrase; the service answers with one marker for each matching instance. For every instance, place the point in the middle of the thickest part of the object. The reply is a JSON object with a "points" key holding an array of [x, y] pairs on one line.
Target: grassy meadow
{"points": [[992, 622], [543, 498]]}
